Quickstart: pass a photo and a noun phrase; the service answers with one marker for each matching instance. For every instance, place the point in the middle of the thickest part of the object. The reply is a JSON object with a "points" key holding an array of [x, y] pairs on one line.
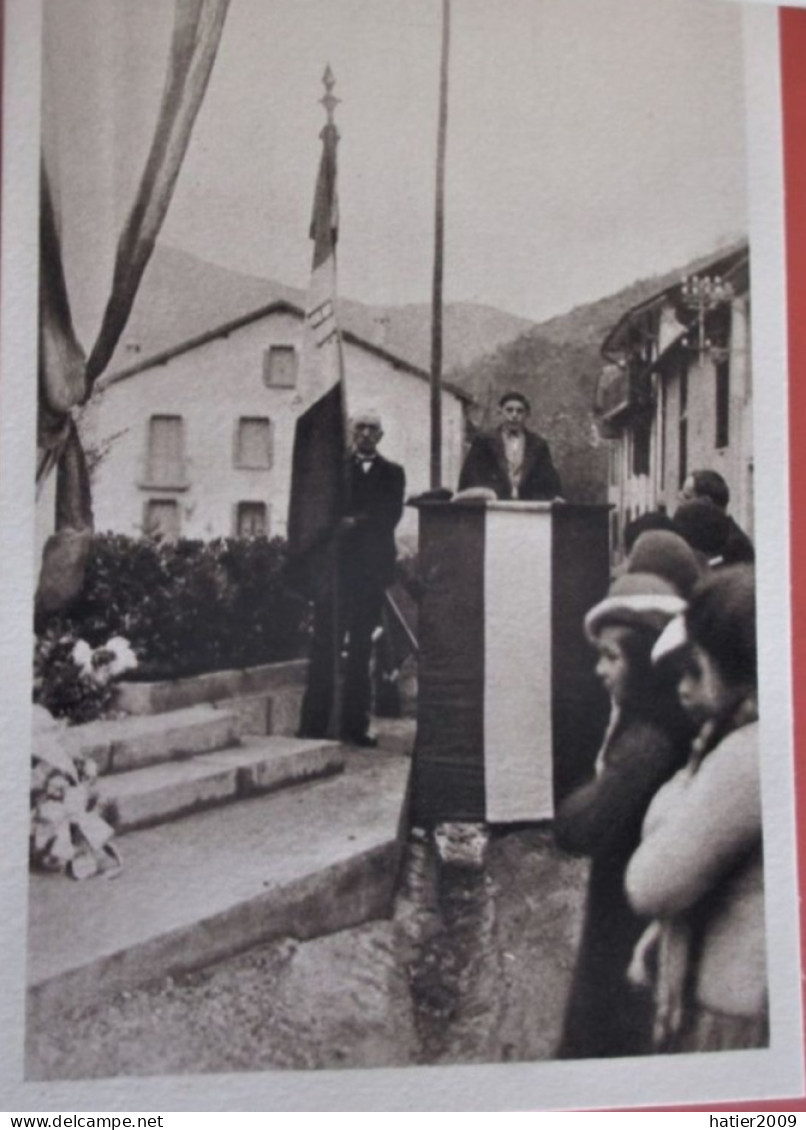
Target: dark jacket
{"points": [[605, 1015], [486, 466], [376, 503], [738, 546]]}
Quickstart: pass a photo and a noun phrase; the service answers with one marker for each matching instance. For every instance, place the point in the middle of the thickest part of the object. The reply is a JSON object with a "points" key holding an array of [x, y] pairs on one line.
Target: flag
{"points": [[320, 441]]}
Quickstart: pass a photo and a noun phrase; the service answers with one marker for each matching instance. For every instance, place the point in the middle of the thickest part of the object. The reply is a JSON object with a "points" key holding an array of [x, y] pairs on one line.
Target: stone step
{"points": [[156, 793], [301, 862], [282, 683], [120, 744]]}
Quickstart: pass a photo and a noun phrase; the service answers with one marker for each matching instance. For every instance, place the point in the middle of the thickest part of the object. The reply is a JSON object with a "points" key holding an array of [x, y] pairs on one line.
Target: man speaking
{"points": [[512, 461]]}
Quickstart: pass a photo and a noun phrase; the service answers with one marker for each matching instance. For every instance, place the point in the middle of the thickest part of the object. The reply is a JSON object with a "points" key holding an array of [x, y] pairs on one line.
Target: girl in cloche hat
{"points": [[646, 741]]}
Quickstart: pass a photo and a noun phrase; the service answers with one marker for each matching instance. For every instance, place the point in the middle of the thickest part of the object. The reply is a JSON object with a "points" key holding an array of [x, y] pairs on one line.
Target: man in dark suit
{"points": [[374, 489], [512, 461], [736, 547]]}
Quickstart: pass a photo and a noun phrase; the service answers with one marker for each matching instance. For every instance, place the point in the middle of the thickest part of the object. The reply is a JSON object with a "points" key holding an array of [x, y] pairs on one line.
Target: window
{"points": [[253, 442], [162, 519], [166, 457], [280, 366], [722, 388], [683, 429], [720, 332], [642, 434], [251, 520]]}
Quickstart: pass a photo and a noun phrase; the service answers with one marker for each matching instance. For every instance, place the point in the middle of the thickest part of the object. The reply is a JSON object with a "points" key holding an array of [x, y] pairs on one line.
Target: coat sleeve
{"points": [[397, 493], [608, 810], [700, 834], [547, 483], [472, 473]]}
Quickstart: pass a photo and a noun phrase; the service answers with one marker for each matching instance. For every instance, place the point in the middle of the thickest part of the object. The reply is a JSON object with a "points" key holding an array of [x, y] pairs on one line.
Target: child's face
{"points": [[703, 692], [612, 666]]}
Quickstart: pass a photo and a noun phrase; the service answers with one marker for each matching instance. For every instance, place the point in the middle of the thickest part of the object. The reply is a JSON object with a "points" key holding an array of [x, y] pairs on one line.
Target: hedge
{"points": [[187, 606]]}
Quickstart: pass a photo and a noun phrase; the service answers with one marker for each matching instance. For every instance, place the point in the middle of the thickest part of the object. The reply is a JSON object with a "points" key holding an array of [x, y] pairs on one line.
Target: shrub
{"points": [[60, 684], [187, 606]]}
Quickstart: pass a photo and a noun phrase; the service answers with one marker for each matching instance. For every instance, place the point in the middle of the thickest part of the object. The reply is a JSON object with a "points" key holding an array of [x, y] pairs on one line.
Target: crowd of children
{"points": [[672, 954]]}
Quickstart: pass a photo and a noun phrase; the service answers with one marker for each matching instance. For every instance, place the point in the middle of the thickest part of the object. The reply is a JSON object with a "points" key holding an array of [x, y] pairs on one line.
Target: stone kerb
{"points": [[268, 697]]}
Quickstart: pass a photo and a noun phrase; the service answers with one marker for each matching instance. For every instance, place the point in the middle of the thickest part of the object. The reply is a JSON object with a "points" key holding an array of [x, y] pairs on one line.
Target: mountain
{"points": [[182, 297], [469, 330]]}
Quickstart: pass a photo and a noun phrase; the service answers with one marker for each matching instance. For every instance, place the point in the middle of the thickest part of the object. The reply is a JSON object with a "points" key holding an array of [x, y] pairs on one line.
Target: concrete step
{"points": [[156, 793], [281, 683], [300, 862], [120, 744]]}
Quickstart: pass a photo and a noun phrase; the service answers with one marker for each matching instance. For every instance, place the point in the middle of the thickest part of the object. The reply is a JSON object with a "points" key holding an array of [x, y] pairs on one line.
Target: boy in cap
{"points": [[512, 461]]}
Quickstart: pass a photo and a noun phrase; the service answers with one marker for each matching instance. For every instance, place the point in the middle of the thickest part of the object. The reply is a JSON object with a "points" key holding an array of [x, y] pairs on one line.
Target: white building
{"points": [[196, 440], [676, 393]]}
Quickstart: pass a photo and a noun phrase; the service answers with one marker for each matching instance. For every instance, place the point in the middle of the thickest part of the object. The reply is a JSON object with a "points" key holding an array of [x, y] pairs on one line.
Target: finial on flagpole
{"points": [[329, 99]]}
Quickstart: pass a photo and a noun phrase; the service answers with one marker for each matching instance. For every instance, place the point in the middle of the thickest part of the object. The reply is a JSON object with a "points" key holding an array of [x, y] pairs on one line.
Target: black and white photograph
{"points": [[397, 661]]}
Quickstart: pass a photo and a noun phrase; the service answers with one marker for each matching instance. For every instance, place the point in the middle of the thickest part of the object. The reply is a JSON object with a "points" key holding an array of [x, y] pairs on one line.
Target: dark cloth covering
{"points": [[738, 548], [366, 565], [605, 1015], [712, 532], [486, 466]]}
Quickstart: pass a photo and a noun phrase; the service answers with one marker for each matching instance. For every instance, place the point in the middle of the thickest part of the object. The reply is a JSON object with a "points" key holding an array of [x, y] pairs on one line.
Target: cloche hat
{"points": [[635, 600]]}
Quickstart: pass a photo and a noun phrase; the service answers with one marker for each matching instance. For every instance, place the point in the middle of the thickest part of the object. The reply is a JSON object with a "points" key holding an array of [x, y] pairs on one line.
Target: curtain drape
{"points": [[66, 374]]}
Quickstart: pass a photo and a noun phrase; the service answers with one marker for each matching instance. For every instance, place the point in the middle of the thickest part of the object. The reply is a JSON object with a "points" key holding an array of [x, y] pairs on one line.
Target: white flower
{"points": [[123, 658], [82, 657]]}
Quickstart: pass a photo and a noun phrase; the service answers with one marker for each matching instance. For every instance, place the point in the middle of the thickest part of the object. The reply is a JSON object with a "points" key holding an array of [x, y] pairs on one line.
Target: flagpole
{"points": [[439, 241], [318, 501], [338, 597]]}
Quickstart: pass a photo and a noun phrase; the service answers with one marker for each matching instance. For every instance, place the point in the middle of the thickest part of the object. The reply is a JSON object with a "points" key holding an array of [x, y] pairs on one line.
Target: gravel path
{"points": [[474, 966]]}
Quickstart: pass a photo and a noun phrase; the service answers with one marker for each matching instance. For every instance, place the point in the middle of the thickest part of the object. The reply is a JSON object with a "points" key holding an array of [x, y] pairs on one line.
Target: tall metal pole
{"points": [[330, 136], [439, 241]]}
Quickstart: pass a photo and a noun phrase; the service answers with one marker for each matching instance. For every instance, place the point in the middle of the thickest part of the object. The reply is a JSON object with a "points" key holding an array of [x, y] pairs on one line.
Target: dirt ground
{"points": [[474, 966]]}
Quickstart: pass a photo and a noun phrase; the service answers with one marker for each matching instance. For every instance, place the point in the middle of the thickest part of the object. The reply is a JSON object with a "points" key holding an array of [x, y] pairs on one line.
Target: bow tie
{"points": [[362, 459]]}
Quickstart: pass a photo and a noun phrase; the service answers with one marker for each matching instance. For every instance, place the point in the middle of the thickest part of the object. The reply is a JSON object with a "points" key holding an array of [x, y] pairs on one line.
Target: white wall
{"points": [[734, 462], [212, 386]]}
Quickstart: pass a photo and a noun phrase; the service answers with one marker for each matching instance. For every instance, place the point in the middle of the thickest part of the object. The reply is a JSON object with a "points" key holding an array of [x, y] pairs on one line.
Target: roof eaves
{"points": [[736, 257], [165, 355], [282, 304]]}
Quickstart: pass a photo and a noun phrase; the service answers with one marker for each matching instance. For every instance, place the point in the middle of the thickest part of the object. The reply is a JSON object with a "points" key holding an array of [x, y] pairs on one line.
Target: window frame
{"points": [[277, 349], [165, 503], [238, 460], [177, 479], [254, 504]]}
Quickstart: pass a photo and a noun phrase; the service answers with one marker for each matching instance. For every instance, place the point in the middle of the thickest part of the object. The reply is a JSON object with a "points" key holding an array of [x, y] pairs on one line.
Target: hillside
{"points": [[557, 364], [182, 297], [470, 330]]}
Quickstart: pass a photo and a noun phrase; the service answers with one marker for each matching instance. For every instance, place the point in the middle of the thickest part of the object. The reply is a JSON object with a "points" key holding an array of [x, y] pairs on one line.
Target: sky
{"points": [[590, 142]]}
